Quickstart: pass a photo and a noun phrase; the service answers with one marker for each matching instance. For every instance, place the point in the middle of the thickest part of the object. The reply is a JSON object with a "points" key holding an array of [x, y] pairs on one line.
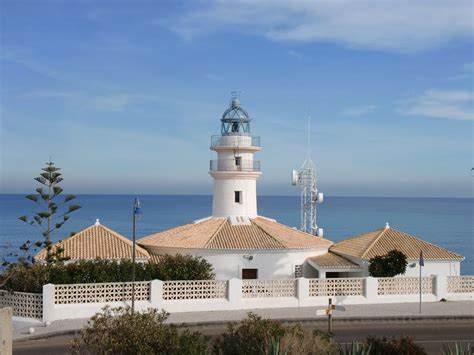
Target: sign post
{"points": [[328, 312], [422, 263]]}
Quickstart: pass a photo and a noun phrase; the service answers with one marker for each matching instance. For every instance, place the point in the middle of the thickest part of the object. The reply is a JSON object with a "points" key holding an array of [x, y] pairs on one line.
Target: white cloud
{"points": [[448, 104], [381, 25], [358, 110]]}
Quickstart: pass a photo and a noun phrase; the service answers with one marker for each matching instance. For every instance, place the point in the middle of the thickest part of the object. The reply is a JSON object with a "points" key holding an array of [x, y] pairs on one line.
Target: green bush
{"points": [[118, 331], [31, 278], [391, 264], [185, 267], [257, 336], [402, 345]]}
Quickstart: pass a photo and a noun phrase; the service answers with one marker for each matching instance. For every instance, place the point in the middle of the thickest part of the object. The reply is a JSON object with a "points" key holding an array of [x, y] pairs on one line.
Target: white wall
{"points": [[270, 264], [223, 202]]}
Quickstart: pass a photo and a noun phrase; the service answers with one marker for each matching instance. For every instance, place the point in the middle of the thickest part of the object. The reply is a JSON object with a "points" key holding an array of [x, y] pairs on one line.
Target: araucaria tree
{"points": [[55, 210], [391, 264]]}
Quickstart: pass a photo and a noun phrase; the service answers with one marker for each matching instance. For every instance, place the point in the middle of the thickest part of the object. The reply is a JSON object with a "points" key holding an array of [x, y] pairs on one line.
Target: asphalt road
{"points": [[430, 334]]}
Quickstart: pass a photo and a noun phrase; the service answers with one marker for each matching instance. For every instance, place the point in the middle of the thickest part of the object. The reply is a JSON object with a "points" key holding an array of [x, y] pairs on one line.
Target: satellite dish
{"points": [[320, 197], [294, 177]]}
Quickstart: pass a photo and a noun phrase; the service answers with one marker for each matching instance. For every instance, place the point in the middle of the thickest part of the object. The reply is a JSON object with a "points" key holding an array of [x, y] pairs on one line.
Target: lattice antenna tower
{"points": [[305, 177]]}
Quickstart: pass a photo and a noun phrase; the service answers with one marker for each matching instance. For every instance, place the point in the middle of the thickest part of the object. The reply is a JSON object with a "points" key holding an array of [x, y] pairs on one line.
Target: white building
{"points": [[350, 257]]}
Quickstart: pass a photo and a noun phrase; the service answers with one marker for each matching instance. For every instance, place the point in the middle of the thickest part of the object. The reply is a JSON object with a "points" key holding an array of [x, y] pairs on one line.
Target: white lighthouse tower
{"points": [[235, 171]]}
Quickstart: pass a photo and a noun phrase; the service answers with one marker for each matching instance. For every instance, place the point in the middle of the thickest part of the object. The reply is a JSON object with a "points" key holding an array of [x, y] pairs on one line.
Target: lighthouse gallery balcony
{"points": [[235, 165]]}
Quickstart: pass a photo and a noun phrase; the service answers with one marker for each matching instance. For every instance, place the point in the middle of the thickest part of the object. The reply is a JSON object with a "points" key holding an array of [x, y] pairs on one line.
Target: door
{"points": [[249, 274]]}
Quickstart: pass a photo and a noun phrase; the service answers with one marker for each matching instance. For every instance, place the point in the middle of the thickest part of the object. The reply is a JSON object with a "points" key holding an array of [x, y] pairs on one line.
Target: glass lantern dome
{"points": [[235, 120]]}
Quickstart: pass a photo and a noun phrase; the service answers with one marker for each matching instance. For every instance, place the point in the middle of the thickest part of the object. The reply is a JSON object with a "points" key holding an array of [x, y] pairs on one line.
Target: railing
{"points": [[460, 284], [232, 165], [194, 290], [336, 287], [235, 141], [27, 305], [268, 288], [101, 292], [404, 285]]}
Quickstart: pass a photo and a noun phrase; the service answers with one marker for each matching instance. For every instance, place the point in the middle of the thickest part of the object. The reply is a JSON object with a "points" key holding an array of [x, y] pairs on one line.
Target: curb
{"points": [[379, 319]]}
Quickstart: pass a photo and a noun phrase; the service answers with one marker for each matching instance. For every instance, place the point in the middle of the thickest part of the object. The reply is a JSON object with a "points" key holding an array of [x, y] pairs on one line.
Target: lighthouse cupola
{"points": [[235, 120], [235, 171]]}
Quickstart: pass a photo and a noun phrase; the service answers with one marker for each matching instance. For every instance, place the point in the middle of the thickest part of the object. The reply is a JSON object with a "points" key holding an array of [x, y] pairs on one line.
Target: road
{"points": [[430, 334]]}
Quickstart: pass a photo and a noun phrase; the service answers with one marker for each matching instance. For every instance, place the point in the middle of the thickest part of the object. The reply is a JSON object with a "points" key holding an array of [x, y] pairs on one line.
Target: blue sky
{"points": [[125, 94]]}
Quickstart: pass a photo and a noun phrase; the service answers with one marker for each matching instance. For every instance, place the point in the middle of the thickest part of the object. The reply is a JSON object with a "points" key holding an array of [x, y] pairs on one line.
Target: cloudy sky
{"points": [[124, 95]]}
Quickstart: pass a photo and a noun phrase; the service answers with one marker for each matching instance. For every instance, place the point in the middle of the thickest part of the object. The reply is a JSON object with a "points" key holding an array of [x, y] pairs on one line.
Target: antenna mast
{"points": [[310, 197]]}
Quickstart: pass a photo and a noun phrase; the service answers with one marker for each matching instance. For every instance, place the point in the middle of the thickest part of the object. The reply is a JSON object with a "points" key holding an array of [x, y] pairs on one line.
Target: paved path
{"points": [[395, 311]]}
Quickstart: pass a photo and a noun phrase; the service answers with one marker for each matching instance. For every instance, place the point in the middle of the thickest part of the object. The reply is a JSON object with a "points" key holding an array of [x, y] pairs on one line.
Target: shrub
{"points": [[31, 278], [388, 265], [119, 331], [255, 336], [403, 345], [185, 267]]}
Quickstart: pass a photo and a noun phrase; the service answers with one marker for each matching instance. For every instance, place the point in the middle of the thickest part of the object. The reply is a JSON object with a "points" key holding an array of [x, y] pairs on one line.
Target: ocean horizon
{"points": [[446, 222]]}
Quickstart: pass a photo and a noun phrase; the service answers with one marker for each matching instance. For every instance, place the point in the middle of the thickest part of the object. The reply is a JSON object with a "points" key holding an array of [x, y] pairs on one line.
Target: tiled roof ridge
{"points": [[124, 239], [59, 242], [216, 232], [426, 242], [268, 234], [375, 241]]}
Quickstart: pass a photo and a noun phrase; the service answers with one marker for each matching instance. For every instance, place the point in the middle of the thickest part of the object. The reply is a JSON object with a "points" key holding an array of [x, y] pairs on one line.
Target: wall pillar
{"points": [[322, 274], [156, 293], [234, 293], [440, 286], [302, 291], [6, 331], [48, 303], [371, 288]]}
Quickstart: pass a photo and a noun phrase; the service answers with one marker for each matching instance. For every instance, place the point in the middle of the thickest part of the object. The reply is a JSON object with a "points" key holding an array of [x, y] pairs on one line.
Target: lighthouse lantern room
{"points": [[235, 171]]}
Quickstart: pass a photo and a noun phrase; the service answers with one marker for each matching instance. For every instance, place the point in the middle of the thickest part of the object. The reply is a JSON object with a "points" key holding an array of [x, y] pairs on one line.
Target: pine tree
{"points": [[53, 214]]}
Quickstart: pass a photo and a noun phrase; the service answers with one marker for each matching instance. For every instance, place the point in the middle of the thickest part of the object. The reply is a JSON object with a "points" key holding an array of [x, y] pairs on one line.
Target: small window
{"points": [[238, 196], [238, 161]]}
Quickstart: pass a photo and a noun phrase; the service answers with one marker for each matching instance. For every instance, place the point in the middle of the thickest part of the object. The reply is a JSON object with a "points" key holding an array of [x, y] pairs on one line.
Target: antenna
{"points": [[310, 197]]}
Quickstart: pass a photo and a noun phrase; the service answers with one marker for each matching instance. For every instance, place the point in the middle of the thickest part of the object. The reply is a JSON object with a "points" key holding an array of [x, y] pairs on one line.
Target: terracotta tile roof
{"points": [[381, 241], [333, 261], [219, 233], [97, 241]]}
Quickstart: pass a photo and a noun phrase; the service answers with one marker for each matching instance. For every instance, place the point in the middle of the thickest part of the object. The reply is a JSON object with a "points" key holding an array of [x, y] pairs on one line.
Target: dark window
{"points": [[238, 161], [238, 196], [249, 274]]}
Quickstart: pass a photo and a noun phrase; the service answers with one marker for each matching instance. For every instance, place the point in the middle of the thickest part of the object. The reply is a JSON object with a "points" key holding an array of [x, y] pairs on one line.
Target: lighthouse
{"points": [[235, 172]]}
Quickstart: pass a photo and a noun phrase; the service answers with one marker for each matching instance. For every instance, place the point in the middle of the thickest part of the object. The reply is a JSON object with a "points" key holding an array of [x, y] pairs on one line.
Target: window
{"points": [[249, 274], [238, 196], [238, 161]]}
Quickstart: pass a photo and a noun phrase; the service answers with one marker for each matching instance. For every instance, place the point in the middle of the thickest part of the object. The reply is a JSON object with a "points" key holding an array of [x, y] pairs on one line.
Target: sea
{"points": [[446, 222]]}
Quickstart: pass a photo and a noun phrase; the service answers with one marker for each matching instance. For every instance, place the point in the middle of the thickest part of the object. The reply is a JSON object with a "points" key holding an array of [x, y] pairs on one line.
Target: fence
{"points": [[405, 285], [268, 288], [25, 305], [460, 284], [84, 300], [336, 287], [194, 290], [102, 292]]}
